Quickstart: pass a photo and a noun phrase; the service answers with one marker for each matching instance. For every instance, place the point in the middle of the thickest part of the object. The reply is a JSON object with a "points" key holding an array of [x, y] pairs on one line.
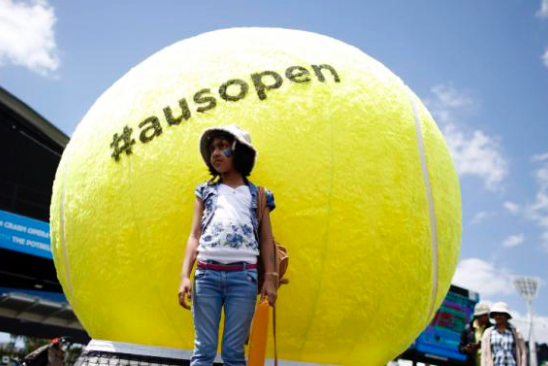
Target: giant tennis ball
{"points": [[368, 201]]}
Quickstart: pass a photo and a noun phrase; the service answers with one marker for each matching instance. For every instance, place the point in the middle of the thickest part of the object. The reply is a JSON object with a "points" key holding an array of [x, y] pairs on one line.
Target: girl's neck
{"points": [[232, 179], [502, 326]]}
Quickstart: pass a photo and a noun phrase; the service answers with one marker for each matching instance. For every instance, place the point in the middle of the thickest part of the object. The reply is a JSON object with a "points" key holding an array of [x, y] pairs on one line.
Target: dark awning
{"points": [[38, 310], [30, 151], [34, 316]]}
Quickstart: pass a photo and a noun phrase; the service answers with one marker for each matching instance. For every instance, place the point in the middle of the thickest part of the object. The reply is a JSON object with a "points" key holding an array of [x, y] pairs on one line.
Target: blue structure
{"points": [[439, 342], [24, 235]]}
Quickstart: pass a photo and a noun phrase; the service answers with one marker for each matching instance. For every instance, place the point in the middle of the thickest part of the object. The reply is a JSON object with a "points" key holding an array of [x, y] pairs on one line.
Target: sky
{"points": [[480, 67]]}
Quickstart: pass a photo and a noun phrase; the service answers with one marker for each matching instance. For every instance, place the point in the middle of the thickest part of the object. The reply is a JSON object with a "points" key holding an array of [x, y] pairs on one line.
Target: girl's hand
{"points": [[185, 292], [270, 290]]}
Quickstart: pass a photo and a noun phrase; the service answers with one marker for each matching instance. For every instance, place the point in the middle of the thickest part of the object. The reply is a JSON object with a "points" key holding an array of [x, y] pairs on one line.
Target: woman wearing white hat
{"points": [[502, 344]]}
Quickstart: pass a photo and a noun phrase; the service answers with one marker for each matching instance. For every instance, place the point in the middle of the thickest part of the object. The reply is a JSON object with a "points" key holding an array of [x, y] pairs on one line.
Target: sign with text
{"points": [[24, 234]]}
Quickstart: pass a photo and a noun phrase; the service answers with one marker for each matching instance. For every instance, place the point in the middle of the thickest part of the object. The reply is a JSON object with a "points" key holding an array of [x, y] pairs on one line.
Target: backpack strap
{"points": [[261, 203], [261, 207], [274, 335]]}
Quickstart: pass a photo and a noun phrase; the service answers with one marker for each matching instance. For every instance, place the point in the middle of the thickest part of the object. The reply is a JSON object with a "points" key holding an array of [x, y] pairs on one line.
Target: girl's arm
{"points": [[270, 285], [191, 251]]}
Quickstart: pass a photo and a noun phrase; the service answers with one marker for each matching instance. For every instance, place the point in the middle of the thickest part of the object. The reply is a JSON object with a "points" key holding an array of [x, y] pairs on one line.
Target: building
{"points": [[31, 299]]}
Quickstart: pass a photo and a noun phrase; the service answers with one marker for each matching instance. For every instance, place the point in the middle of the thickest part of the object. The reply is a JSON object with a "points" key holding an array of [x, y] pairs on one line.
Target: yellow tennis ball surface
{"points": [[368, 201]]}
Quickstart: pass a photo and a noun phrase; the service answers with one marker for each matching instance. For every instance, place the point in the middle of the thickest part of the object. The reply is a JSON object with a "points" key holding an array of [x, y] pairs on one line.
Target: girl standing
{"points": [[227, 241]]}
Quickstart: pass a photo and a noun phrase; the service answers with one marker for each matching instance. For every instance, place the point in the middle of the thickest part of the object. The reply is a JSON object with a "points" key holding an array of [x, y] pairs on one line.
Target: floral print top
{"points": [[229, 222]]}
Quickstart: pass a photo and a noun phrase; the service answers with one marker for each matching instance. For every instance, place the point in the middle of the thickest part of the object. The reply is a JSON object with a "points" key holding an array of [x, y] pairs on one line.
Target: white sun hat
{"points": [[239, 134], [500, 307], [480, 309]]}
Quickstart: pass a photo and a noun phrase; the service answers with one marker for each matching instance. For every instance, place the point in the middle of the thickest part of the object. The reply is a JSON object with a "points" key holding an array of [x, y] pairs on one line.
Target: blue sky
{"points": [[481, 68]]}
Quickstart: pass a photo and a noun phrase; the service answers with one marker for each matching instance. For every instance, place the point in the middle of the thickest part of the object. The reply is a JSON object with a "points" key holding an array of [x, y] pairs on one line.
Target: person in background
{"points": [[502, 344], [470, 340]]}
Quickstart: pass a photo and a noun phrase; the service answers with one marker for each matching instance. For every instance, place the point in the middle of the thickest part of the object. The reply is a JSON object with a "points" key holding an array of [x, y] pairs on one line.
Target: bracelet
{"points": [[271, 274]]}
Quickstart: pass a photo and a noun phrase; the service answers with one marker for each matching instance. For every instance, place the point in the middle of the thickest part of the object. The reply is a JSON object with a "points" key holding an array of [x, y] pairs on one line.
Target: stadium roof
{"points": [[31, 300], [30, 150]]}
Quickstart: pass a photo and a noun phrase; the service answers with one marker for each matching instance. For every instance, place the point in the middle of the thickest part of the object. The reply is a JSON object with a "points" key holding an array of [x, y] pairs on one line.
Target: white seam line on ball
{"points": [[63, 240], [431, 210]]}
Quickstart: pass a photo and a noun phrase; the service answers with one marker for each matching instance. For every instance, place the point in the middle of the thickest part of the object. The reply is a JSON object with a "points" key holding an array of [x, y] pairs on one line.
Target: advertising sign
{"points": [[24, 234]]}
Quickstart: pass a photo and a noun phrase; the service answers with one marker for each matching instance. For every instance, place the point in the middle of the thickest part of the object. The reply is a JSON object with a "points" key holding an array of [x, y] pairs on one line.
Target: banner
{"points": [[24, 234]]}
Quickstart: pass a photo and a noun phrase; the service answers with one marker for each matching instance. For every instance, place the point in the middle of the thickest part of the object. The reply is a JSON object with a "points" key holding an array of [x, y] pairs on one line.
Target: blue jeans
{"points": [[236, 292]]}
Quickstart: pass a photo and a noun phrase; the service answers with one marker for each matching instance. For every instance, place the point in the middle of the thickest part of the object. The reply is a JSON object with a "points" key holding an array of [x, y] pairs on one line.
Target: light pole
{"points": [[528, 289]]}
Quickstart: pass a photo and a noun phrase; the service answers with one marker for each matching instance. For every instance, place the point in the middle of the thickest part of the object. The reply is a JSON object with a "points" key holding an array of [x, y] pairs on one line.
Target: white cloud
{"points": [[541, 176], [482, 277], [543, 11], [512, 207], [540, 326], [513, 240], [450, 97], [543, 14], [540, 157], [481, 217], [447, 103], [26, 35], [474, 152], [537, 211], [544, 241], [477, 154]]}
